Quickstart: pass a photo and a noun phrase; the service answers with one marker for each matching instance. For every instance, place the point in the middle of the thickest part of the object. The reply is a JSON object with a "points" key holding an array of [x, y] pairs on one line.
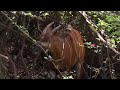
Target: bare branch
{"points": [[13, 64], [4, 56], [23, 60]]}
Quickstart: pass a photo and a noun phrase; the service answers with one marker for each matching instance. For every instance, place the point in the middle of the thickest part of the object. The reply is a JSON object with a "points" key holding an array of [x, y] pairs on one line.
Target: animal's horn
{"points": [[46, 28], [55, 29]]}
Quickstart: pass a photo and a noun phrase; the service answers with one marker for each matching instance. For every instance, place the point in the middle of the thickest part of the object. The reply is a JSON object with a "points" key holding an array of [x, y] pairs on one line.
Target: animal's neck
{"points": [[57, 46]]}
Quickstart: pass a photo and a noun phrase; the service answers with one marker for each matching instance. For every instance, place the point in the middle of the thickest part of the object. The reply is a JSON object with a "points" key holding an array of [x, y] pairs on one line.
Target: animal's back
{"points": [[77, 48]]}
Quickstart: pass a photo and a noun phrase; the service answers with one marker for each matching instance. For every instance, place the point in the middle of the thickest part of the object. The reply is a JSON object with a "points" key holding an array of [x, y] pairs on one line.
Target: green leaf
{"points": [[113, 40], [109, 28], [117, 33], [30, 14], [45, 14], [118, 40]]}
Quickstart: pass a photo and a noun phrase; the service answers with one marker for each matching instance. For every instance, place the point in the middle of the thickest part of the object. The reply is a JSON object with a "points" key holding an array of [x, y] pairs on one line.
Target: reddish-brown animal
{"points": [[66, 48]]}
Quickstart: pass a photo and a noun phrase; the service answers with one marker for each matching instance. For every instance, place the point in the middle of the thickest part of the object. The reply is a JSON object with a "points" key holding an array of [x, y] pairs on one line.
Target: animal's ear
{"points": [[48, 27], [67, 31]]}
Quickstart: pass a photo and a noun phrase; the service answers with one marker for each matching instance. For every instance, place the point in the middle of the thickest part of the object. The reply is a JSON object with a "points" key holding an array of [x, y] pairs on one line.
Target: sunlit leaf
{"points": [[113, 41]]}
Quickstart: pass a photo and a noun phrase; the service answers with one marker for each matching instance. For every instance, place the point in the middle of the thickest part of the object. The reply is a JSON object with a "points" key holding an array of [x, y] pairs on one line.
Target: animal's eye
{"points": [[45, 38]]}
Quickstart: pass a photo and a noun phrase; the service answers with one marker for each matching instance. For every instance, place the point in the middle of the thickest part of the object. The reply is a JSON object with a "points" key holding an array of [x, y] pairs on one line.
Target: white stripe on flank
{"points": [[63, 47]]}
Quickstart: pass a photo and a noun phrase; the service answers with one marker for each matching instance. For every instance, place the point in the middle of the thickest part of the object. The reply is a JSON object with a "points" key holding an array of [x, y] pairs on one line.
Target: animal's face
{"points": [[45, 38], [51, 34], [47, 35]]}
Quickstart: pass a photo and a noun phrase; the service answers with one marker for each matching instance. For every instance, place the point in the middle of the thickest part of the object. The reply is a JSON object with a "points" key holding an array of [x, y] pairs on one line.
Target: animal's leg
{"points": [[78, 68], [56, 74]]}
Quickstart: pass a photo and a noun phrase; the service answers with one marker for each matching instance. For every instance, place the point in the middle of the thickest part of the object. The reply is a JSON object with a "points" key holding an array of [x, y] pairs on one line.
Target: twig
{"points": [[111, 64], [13, 64], [4, 56], [23, 60]]}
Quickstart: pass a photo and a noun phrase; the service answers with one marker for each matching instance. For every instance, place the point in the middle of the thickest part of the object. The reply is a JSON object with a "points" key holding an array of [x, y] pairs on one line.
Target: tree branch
{"points": [[4, 56], [22, 58], [13, 64]]}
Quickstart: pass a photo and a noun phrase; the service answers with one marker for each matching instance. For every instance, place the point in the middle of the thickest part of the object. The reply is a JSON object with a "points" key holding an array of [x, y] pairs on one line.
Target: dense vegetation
{"points": [[19, 31]]}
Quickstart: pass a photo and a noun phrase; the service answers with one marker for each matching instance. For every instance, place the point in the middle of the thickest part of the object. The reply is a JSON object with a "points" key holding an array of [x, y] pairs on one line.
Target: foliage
{"points": [[109, 22], [100, 61]]}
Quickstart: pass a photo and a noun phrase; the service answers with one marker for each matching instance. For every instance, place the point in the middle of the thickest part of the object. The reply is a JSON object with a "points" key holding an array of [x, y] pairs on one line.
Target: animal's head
{"points": [[49, 33]]}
